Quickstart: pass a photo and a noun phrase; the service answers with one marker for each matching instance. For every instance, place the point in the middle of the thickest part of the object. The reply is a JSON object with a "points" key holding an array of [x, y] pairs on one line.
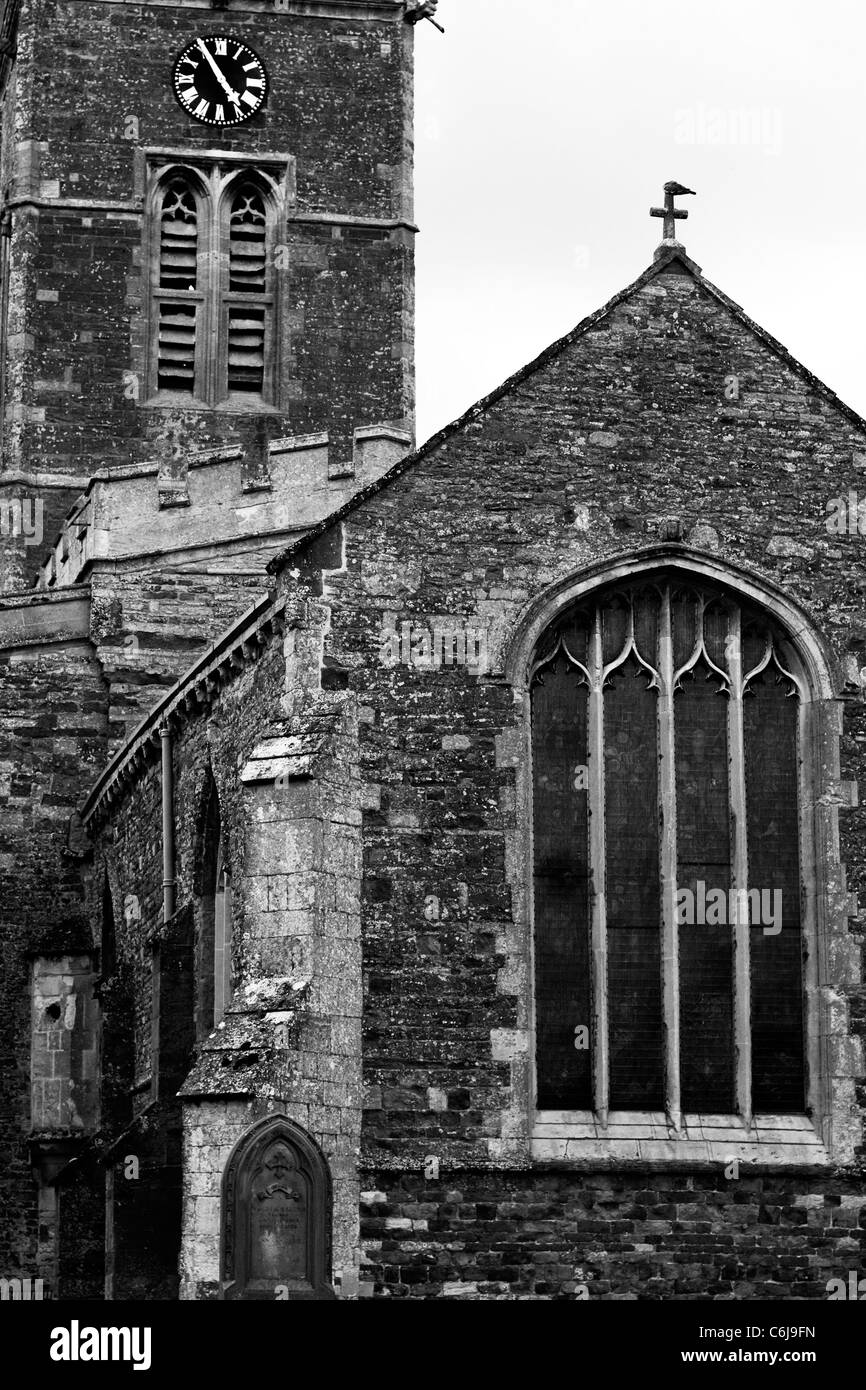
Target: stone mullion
{"points": [[668, 866], [595, 748], [739, 871], [816, 847], [211, 276]]}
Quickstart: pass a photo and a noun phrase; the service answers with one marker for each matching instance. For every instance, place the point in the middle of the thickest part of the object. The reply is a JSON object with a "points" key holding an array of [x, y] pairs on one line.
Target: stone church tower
{"points": [[173, 286], [425, 873]]}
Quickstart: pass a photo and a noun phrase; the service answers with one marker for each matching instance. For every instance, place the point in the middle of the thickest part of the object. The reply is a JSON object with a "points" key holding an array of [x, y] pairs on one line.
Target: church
{"points": [[424, 872]]}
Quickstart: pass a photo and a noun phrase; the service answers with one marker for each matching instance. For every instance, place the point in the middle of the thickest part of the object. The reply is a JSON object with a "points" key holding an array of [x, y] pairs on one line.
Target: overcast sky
{"points": [[547, 128]]}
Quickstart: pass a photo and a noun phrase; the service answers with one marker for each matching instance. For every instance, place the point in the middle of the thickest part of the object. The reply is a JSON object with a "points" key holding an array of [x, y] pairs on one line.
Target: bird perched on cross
{"points": [[669, 212]]}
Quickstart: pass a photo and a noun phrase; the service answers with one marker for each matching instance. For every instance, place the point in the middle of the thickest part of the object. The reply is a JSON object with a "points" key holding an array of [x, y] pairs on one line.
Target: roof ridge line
{"points": [[555, 349], [484, 403]]}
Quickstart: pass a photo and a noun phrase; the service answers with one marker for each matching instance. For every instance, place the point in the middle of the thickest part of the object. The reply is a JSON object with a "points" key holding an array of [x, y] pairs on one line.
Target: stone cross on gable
{"points": [[669, 212]]}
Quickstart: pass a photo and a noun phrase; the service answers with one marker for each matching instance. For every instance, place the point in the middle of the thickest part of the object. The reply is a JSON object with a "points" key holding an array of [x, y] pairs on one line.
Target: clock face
{"points": [[219, 80]]}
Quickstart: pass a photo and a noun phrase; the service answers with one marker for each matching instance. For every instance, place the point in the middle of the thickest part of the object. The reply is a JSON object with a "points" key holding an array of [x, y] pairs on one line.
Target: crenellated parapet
{"points": [[209, 504]]}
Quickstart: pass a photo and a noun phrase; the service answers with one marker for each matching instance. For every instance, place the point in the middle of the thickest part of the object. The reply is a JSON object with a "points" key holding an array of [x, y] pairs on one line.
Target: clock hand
{"points": [[220, 77]]}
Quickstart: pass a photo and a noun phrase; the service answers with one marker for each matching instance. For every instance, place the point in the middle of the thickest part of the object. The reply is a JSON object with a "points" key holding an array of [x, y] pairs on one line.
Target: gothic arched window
{"points": [[213, 286], [222, 937], [116, 1016], [666, 723], [214, 947]]}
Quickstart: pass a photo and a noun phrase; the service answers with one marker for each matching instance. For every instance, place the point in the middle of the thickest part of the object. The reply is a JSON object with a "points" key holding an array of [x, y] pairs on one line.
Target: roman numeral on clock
{"points": [[189, 96], [219, 114], [222, 48], [202, 108], [249, 99]]}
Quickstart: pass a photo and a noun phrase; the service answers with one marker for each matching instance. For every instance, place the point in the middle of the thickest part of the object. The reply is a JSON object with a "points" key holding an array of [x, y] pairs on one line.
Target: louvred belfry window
{"points": [[178, 303], [666, 737], [247, 247], [212, 329], [247, 302]]}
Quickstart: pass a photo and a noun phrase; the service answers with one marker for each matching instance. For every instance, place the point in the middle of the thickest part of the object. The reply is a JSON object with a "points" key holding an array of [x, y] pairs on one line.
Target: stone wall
{"points": [[284, 762], [52, 742], [79, 668]]}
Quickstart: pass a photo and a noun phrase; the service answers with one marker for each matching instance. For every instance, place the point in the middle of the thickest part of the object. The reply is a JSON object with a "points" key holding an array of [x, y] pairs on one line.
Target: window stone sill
{"points": [[645, 1137], [232, 405]]}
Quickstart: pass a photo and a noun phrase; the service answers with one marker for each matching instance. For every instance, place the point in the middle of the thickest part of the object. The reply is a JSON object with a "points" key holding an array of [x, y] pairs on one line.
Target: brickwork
{"points": [[650, 1235], [150, 626]]}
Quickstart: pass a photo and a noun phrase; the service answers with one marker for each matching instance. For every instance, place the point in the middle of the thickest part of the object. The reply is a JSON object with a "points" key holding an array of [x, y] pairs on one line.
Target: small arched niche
{"points": [[276, 1216]]}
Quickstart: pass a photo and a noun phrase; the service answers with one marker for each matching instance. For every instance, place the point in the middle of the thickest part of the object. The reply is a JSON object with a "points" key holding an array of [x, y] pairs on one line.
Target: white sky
{"points": [[547, 128]]}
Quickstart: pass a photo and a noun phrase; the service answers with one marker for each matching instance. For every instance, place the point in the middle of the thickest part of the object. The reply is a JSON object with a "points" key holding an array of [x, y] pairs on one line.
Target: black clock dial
{"points": [[219, 80]]}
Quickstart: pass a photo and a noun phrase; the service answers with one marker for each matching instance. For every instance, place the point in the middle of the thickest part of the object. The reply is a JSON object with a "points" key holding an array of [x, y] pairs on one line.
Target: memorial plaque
{"points": [[277, 1216], [278, 1220]]}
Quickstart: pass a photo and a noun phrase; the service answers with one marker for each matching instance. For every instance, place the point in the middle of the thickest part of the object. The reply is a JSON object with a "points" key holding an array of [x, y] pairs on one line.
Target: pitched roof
{"points": [[665, 259]]}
